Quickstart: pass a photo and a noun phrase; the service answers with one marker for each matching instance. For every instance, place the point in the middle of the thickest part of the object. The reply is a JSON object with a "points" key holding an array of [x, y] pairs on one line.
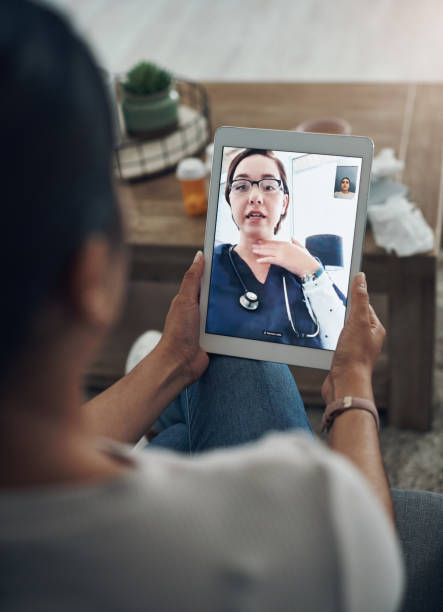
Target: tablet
{"points": [[284, 238]]}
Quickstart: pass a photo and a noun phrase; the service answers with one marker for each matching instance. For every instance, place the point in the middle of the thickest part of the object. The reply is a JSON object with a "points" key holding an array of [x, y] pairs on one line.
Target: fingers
{"points": [[361, 309], [264, 249], [190, 285], [359, 282], [271, 247], [359, 298], [269, 259]]}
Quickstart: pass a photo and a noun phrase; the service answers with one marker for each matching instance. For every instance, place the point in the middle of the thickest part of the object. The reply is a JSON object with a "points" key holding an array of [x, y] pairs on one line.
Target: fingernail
{"points": [[362, 280], [198, 256]]}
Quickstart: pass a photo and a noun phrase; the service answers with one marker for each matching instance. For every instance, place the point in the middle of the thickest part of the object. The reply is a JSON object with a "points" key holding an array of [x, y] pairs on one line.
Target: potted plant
{"points": [[149, 103]]}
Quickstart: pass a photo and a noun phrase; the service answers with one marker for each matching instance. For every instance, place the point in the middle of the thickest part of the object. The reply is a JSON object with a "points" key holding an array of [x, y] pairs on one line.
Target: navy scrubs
{"points": [[269, 322]]}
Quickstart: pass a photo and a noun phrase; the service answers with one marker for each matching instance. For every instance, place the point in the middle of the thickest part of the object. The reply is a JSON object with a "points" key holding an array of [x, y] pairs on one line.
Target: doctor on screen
{"points": [[263, 288]]}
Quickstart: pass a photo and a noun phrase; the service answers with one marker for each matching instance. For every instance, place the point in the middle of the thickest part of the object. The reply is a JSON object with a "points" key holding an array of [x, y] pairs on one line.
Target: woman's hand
{"points": [[180, 338], [358, 347], [289, 255]]}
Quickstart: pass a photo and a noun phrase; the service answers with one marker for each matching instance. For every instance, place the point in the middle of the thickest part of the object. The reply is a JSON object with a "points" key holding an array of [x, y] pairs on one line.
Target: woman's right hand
{"points": [[358, 347], [180, 342]]}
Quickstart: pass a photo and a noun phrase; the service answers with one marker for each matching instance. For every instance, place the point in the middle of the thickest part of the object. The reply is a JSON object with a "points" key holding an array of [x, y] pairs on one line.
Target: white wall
{"points": [[297, 40]]}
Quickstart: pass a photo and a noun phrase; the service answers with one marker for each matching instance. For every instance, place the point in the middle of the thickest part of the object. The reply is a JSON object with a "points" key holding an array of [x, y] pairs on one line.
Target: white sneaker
{"points": [[138, 351], [142, 347]]}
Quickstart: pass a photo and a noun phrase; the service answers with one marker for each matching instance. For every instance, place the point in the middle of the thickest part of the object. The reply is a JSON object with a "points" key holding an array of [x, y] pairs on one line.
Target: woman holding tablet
{"points": [[263, 288], [88, 524]]}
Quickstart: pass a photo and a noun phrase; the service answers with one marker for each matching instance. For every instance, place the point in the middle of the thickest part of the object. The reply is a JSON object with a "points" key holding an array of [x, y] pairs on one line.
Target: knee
{"points": [[233, 369], [238, 400], [250, 381]]}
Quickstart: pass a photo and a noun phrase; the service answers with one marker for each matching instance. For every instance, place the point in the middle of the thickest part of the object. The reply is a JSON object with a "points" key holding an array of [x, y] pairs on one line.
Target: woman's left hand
{"points": [[292, 256]]}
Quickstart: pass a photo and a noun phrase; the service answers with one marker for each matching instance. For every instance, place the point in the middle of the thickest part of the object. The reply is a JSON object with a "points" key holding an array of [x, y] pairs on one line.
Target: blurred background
{"points": [[256, 40], [386, 41]]}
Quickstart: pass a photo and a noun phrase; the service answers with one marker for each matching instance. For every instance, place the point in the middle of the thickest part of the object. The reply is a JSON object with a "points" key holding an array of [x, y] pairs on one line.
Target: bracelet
{"points": [[337, 407]]}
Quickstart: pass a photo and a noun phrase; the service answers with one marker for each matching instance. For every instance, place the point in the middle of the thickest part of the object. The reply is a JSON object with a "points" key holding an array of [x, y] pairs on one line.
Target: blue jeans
{"points": [[239, 400], [235, 401]]}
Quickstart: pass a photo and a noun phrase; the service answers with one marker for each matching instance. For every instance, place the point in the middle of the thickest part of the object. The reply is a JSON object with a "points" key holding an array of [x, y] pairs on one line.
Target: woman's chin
{"points": [[257, 233]]}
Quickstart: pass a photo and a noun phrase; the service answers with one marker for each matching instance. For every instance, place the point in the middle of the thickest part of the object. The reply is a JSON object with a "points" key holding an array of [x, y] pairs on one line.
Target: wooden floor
{"points": [[258, 40]]}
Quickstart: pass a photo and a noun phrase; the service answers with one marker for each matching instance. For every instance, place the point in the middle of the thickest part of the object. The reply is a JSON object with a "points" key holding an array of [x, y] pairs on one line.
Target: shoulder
{"points": [[222, 250], [279, 496], [281, 511], [221, 257], [276, 460]]}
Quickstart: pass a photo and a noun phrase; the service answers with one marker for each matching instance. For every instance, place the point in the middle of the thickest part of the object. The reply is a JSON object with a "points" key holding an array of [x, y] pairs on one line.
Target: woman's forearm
{"points": [[128, 408], [354, 434]]}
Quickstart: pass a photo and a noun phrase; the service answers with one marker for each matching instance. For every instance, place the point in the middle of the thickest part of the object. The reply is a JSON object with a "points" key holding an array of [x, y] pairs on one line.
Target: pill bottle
{"points": [[191, 173]]}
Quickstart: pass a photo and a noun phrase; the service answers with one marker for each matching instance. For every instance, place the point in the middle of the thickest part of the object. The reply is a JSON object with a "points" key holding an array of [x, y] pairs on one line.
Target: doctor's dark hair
{"points": [[266, 153], [345, 177], [56, 154]]}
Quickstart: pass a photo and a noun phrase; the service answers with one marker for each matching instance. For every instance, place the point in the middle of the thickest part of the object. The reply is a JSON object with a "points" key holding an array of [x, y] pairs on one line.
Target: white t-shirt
{"points": [[282, 524], [345, 196]]}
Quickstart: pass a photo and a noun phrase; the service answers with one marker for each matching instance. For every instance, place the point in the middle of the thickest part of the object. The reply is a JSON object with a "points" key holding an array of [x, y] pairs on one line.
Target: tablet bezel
{"points": [[279, 140]]}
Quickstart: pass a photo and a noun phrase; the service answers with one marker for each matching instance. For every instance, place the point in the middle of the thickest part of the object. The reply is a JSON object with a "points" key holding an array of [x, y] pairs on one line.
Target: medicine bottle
{"points": [[191, 173]]}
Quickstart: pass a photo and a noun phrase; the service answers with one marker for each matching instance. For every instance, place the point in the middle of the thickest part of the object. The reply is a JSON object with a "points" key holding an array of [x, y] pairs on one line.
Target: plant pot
{"points": [[152, 115]]}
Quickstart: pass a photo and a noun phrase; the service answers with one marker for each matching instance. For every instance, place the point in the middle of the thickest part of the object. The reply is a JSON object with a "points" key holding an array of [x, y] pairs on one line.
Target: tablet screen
{"points": [[282, 246]]}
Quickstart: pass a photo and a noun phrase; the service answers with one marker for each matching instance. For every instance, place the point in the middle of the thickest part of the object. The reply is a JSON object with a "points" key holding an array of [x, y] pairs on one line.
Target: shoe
{"points": [[138, 351], [142, 347]]}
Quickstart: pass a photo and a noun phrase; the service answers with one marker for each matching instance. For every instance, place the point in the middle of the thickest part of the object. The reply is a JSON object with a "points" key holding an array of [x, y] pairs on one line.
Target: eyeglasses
{"points": [[268, 186]]}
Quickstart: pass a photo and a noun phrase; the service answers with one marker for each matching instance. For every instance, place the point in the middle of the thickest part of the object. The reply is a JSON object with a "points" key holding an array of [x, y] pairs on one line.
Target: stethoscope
{"points": [[249, 300]]}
